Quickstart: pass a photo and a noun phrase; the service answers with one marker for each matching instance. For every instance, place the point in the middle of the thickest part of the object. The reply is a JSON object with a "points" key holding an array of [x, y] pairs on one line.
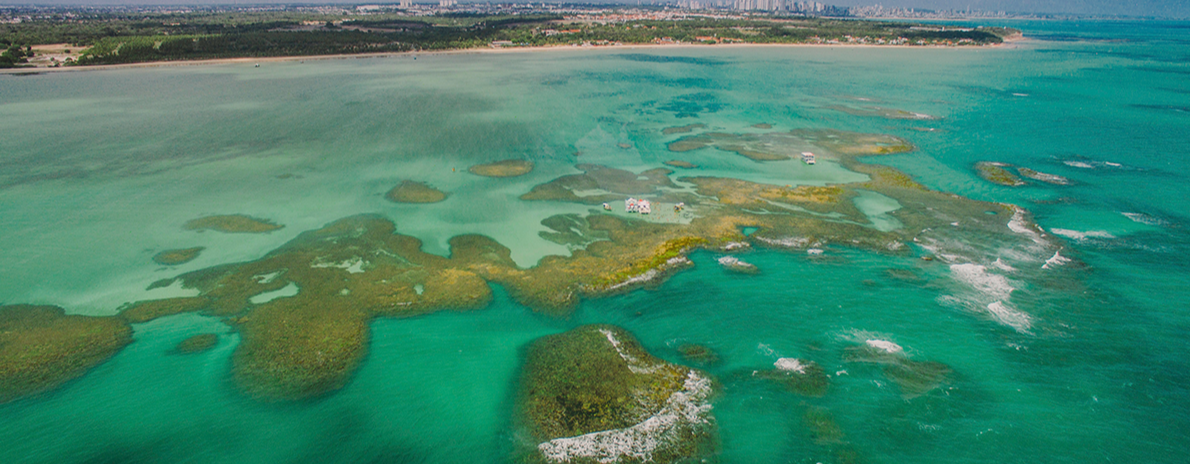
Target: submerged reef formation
{"points": [[232, 224], [680, 164], [41, 347], [699, 354], [683, 129], [593, 394], [503, 168], [800, 377], [913, 377], [414, 192], [197, 343], [887, 113], [303, 310], [177, 256]]}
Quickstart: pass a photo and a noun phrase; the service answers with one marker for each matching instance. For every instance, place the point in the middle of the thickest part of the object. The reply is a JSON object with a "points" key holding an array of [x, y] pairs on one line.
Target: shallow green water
{"points": [[109, 165]]}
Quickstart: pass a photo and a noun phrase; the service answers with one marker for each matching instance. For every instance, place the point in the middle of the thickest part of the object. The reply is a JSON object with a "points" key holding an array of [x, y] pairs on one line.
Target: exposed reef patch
{"points": [[997, 173], [599, 184], [177, 256], [197, 343], [1043, 177], [503, 169], [232, 224], [359, 268], [776, 146], [593, 394], [414, 192], [41, 347]]}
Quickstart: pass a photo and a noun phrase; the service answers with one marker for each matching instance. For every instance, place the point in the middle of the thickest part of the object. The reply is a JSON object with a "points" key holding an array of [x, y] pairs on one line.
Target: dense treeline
{"points": [[130, 37]]}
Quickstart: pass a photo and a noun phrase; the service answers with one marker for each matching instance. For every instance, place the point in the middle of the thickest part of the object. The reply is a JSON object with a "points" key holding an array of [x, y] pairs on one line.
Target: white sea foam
{"points": [[1003, 266], [637, 443], [990, 284], [1145, 219], [1004, 314], [814, 251], [634, 365], [887, 346], [790, 364], [1082, 235], [732, 262], [1018, 225], [1078, 164], [736, 245], [1056, 260]]}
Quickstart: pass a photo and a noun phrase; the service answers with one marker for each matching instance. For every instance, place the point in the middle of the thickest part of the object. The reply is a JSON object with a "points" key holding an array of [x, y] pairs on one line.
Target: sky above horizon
{"points": [[1158, 8]]}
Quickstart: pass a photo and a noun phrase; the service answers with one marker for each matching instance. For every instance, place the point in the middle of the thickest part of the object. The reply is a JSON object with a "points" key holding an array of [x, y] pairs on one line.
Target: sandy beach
{"points": [[1008, 42]]}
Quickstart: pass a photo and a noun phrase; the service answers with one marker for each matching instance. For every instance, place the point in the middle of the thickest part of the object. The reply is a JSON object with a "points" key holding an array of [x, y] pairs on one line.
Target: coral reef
{"points": [[232, 224], [197, 343], [614, 184], [593, 394], [177, 256], [414, 192], [997, 173], [1043, 177], [734, 264], [503, 168], [356, 269], [43, 347]]}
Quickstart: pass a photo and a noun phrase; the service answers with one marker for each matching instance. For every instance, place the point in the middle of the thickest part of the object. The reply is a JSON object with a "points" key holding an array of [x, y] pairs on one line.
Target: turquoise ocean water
{"points": [[100, 169]]}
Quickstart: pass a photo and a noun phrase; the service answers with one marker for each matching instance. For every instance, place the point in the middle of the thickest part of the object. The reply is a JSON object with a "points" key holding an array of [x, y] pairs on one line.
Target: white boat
{"points": [[808, 158]]}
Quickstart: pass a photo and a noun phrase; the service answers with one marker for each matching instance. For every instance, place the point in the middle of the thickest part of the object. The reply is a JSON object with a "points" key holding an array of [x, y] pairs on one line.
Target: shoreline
{"points": [[549, 48]]}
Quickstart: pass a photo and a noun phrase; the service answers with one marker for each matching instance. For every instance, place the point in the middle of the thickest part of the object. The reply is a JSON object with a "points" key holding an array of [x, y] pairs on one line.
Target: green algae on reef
{"points": [[358, 268], [593, 394], [777, 146], [232, 224], [503, 169], [1043, 177], [177, 256], [197, 343], [41, 347], [997, 173], [611, 184], [414, 192]]}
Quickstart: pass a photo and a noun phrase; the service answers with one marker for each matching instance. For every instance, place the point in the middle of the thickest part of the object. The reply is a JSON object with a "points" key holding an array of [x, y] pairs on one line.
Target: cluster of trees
{"points": [[14, 55]]}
